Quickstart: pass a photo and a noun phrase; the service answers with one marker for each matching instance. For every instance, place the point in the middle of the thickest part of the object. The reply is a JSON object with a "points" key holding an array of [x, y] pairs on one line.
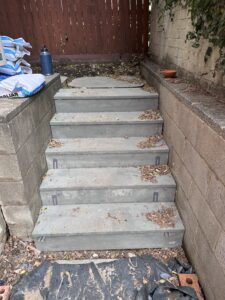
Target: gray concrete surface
{"points": [[103, 152], [122, 226], [106, 124], [101, 82], [100, 100], [104, 185]]}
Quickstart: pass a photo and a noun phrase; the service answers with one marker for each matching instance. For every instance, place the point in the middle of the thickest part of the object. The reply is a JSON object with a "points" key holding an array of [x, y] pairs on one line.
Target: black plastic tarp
{"points": [[136, 278]]}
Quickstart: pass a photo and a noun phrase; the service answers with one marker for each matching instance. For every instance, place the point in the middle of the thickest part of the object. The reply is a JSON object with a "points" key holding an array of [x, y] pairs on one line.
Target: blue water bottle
{"points": [[46, 62]]}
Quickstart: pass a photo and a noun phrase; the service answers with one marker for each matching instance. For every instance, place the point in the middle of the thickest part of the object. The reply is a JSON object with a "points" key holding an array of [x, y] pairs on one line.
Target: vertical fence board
{"points": [[78, 27]]}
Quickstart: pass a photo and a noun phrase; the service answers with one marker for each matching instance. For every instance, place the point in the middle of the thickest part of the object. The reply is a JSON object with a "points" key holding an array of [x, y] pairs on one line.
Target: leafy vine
{"points": [[208, 21]]}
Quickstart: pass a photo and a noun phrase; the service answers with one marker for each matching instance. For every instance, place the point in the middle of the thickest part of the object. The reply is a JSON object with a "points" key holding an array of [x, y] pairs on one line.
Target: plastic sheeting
{"points": [[136, 278]]}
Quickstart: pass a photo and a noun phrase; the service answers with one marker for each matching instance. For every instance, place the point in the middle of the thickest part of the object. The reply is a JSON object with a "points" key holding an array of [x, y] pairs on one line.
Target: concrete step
{"points": [[106, 226], [104, 152], [106, 124], [104, 185], [103, 99]]}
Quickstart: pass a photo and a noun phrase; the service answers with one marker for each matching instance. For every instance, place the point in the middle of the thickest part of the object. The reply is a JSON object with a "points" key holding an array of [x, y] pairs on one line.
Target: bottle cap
{"points": [[44, 49]]}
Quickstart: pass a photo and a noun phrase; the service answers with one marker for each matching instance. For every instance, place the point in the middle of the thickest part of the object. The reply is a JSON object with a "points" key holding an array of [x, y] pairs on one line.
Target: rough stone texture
{"points": [[168, 47], [197, 162], [24, 135], [2, 232]]}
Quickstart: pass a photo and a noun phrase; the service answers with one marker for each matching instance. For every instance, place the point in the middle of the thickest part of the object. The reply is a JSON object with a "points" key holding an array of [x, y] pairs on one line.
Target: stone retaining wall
{"points": [[194, 127], [24, 134]]}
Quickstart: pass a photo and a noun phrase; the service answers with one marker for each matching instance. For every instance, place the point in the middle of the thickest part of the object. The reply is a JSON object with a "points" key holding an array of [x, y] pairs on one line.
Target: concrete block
{"points": [[6, 142], [173, 135], [34, 145], [169, 104], [182, 176], [19, 219], [215, 198], [212, 267], [211, 147], [196, 166], [9, 168], [187, 215], [12, 193], [2, 232], [22, 126], [206, 219], [220, 250]]}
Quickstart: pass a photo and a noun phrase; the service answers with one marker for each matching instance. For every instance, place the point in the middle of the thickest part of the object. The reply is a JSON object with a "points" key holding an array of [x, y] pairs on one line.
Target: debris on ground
{"points": [[115, 279], [73, 70], [164, 217], [150, 141], [149, 172], [122, 70], [17, 252], [55, 144], [150, 115]]}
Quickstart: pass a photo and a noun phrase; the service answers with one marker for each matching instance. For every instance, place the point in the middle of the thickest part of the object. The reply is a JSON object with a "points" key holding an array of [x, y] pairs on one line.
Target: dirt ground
{"points": [[20, 257], [116, 70]]}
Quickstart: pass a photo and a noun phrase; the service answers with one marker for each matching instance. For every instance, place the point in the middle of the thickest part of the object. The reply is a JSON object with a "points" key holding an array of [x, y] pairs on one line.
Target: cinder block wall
{"points": [[197, 161], [168, 48], [24, 134]]}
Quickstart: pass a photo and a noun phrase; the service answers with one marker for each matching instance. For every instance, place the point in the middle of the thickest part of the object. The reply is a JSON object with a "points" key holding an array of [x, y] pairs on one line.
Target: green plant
{"points": [[208, 20]]}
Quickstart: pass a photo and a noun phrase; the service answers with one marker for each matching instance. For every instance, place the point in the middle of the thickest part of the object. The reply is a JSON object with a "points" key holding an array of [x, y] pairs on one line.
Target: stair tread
{"points": [[100, 178], [101, 118], [69, 220], [103, 93], [102, 145]]}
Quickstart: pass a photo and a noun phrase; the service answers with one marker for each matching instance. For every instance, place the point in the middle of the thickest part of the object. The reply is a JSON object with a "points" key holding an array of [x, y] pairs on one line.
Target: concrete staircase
{"points": [[93, 194]]}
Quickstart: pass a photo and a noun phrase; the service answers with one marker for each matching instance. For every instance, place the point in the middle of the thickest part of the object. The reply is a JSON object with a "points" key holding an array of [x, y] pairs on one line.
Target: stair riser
{"points": [[105, 105], [156, 239], [105, 130], [69, 161], [108, 195]]}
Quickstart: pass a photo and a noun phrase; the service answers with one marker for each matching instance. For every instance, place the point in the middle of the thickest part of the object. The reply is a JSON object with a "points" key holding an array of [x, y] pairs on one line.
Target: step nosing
{"points": [[102, 233], [65, 152], [112, 187], [65, 98], [61, 123]]}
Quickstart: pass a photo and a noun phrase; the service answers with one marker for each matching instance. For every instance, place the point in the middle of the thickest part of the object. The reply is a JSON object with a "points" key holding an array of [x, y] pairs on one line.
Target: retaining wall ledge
{"points": [[209, 108]]}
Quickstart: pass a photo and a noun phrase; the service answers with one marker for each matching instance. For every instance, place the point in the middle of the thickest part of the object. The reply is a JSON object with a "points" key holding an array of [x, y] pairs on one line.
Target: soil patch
{"points": [[20, 257]]}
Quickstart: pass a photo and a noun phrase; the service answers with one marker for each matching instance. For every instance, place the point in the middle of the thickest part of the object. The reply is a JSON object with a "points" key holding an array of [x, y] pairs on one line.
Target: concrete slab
{"points": [[104, 185], [102, 145], [106, 94], [102, 82], [104, 152], [100, 178], [106, 124], [100, 118], [105, 226]]}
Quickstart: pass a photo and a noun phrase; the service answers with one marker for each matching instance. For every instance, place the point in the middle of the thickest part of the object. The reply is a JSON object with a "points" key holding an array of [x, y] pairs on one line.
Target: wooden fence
{"points": [[78, 28]]}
